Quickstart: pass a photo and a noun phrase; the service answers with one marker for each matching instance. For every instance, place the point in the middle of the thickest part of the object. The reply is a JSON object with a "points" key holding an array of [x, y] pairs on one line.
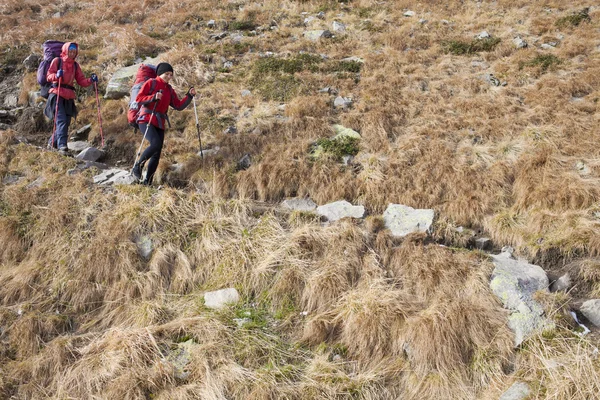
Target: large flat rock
{"points": [[120, 83], [220, 298], [340, 209], [402, 220]]}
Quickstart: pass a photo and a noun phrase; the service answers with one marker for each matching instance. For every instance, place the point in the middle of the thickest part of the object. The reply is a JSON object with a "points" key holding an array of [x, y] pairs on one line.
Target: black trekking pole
{"points": [[198, 128], [139, 153]]}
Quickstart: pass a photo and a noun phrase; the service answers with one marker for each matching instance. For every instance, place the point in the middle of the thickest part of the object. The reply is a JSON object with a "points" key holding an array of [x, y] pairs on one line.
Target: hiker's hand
{"points": [[94, 78], [192, 92], [158, 96], [59, 73]]}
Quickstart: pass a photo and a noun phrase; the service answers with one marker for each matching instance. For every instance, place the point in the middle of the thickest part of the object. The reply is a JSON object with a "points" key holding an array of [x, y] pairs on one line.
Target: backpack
{"points": [[144, 72], [52, 50]]}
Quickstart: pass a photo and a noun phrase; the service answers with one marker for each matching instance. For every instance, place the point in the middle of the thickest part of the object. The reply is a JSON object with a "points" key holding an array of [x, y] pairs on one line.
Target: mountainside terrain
{"points": [[480, 116]]}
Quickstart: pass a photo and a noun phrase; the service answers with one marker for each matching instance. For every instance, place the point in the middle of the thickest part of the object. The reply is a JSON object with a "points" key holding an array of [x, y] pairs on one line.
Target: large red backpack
{"points": [[144, 72]]}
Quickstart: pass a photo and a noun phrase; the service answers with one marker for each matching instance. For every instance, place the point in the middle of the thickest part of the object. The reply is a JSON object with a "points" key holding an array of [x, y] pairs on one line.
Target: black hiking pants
{"points": [[156, 137]]}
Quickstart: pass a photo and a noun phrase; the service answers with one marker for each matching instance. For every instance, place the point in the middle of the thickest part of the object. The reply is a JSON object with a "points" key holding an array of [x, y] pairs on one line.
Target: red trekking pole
{"points": [[99, 115], [56, 111]]}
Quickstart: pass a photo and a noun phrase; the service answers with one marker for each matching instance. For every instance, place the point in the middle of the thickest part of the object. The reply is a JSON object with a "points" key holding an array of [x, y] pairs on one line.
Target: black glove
{"points": [[188, 92]]}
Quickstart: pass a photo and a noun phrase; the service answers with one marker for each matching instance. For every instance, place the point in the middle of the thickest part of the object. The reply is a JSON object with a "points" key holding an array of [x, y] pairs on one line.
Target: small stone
{"points": [[78, 145], [210, 152], [318, 34], [582, 168], [219, 36], [230, 130], [338, 27], [244, 163], [547, 46], [227, 65], [35, 99], [483, 243], [445, 22], [402, 220], [341, 131], [519, 43], [518, 391], [246, 93], [591, 310], [491, 79], [90, 154], [145, 246], [342, 102], [347, 159], [211, 24], [483, 35], [299, 204], [340, 209], [353, 59], [562, 284], [56, 15], [309, 20], [82, 133], [10, 179], [410, 13], [321, 15], [37, 183], [220, 298], [423, 21], [236, 38], [32, 62]]}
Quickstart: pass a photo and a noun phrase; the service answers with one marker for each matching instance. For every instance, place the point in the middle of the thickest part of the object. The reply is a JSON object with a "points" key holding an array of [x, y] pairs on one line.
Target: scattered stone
{"points": [[10, 179], [518, 391], [299, 204], [321, 15], [218, 36], [340, 209], [338, 27], [32, 62], [480, 64], [210, 152], [37, 183], [145, 246], [78, 145], [107, 175], [445, 22], [519, 43], [180, 358], [82, 133], [423, 21], [483, 243], [244, 163], [402, 220], [483, 35], [309, 20], [35, 99], [547, 46], [491, 79], [582, 168], [90, 154], [341, 131], [122, 179], [328, 90], [230, 130], [92, 164], [11, 100], [56, 15], [342, 102], [514, 282], [353, 59], [318, 34], [562, 284], [220, 298], [236, 38], [410, 13], [591, 310], [347, 159], [227, 65], [73, 171], [120, 83], [211, 24], [246, 93]]}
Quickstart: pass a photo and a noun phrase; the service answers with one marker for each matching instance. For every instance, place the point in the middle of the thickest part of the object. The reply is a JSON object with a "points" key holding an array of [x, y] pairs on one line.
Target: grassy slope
{"points": [[342, 311]]}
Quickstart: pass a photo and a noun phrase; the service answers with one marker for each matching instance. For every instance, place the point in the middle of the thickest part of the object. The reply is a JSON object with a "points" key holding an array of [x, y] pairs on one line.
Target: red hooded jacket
{"points": [[169, 98], [70, 74]]}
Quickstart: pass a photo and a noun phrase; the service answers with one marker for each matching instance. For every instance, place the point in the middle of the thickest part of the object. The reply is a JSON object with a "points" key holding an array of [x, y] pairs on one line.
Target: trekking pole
{"points": [[99, 115], [139, 153], [198, 128], [56, 111]]}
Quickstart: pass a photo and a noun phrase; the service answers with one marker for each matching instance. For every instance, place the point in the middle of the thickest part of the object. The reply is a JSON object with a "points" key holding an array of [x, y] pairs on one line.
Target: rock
{"points": [[180, 358], [402, 220], [211, 24], [591, 310], [410, 13], [220, 298], [236, 38], [353, 59], [209, 152], [341, 131], [227, 65], [328, 90], [514, 282], [246, 93], [244, 163], [230, 130], [219, 36], [483, 243], [519, 43], [32, 62], [342, 102], [92, 164], [57, 15], [119, 85], [108, 175], [338, 27], [318, 34], [480, 64], [491, 79], [37, 183], [340, 209], [78, 145], [145, 246], [547, 46], [309, 20], [11, 100], [518, 391], [90, 154], [35, 99], [423, 21], [82, 133], [582, 168], [347, 159], [299, 204], [562, 284], [483, 35], [10, 179], [122, 179], [321, 15]]}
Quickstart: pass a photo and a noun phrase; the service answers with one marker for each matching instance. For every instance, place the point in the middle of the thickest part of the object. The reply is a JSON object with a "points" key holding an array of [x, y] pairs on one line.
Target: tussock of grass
{"points": [[543, 61], [574, 19], [464, 47]]}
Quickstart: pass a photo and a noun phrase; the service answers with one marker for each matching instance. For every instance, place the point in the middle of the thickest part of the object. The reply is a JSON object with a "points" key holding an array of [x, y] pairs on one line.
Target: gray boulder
{"points": [[114, 176], [244, 163], [36, 99], [299, 204], [180, 357], [119, 84], [82, 133], [483, 35], [340, 209], [518, 391], [402, 220], [79, 145], [519, 43], [410, 13], [145, 246], [514, 282], [220, 298], [32, 62], [562, 284], [317, 34], [342, 102], [483, 243], [338, 27], [90, 154], [591, 310]]}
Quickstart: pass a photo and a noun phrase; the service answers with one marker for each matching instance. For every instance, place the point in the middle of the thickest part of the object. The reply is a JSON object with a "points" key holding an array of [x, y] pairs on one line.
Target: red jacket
{"points": [[169, 98], [70, 74]]}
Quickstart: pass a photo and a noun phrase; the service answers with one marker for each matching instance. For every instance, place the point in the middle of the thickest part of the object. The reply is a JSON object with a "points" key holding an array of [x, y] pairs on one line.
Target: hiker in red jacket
{"points": [[63, 72], [154, 98]]}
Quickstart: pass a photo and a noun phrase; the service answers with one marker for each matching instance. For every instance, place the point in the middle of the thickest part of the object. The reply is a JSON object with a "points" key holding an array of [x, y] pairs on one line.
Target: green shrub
{"points": [[543, 61], [574, 19], [337, 148], [242, 25], [461, 47]]}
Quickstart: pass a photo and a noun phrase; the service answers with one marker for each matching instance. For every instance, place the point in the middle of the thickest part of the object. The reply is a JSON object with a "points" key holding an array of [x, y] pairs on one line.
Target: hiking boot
{"points": [[136, 171], [63, 151]]}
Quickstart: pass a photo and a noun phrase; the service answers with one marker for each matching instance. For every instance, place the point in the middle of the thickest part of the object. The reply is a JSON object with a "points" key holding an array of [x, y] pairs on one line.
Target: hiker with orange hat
{"points": [[152, 118], [63, 72]]}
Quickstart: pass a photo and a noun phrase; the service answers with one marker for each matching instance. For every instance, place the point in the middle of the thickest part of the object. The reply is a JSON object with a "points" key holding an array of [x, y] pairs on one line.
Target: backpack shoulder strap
{"points": [[152, 85]]}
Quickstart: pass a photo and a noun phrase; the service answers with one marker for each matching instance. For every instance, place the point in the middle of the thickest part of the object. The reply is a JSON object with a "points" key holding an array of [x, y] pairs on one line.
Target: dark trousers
{"points": [[63, 120], [156, 137]]}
